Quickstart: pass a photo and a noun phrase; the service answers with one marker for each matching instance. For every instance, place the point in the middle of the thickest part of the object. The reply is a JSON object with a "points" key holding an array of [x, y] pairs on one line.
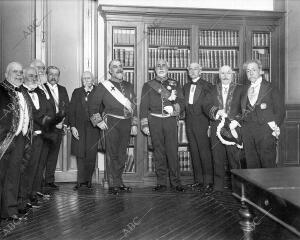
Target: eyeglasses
{"points": [[32, 75]]}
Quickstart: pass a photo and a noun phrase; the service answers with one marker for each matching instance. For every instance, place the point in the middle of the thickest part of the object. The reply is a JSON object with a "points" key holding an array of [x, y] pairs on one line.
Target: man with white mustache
{"points": [[224, 100]]}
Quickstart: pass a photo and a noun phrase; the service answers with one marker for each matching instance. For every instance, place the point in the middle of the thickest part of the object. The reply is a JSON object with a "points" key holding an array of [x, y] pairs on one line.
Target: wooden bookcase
{"points": [[181, 36]]}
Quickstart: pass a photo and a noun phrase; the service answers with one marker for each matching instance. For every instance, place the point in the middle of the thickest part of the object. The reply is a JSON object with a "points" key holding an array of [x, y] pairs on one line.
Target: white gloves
{"points": [[102, 125], [275, 128], [133, 131], [169, 109], [221, 113], [233, 124], [75, 132], [146, 131]]}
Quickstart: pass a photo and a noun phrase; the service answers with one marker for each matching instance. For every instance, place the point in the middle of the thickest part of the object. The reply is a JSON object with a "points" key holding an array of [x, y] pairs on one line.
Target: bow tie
{"points": [[18, 89], [31, 91], [194, 83]]}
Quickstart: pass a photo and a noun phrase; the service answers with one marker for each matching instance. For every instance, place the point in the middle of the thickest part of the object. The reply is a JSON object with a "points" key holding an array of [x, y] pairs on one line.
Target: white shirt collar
{"points": [[257, 83], [195, 80], [52, 86]]}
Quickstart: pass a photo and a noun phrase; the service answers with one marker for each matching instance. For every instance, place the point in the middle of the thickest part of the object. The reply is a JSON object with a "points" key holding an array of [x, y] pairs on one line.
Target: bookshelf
{"points": [[173, 45], [261, 50], [124, 48], [181, 36]]}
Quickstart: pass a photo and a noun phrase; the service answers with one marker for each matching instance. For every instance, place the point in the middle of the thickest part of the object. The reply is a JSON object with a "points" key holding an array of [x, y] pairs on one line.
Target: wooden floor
{"points": [[140, 215]]}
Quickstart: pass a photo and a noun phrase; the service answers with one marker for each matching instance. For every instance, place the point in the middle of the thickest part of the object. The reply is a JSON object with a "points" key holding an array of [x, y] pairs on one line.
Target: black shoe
{"points": [[77, 186], [125, 188], [208, 189], [52, 185], [43, 195], [14, 218], [179, 188], [29, 205], [159, 188], [195, 186], [89, 185], [113, 190]]}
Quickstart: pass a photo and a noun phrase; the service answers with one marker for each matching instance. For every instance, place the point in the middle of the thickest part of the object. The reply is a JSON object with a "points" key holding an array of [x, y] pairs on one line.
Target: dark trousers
{"points": [[29, 173], [11, 177], [224, 157], [117, 138], [86, 164], [165, 142], [196, 129], [259, 144], [38, 178], [52, 157]]}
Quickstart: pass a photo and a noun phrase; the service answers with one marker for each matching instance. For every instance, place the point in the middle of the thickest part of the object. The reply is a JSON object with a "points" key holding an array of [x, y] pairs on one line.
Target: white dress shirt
{"points": [[34, 97], [253, 91], [192, 90], [225, 89], [54, 93]]}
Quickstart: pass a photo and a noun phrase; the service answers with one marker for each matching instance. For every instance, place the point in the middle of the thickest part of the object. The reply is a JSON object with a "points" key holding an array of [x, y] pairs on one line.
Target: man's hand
{"points": [[75, 133], [133, 131], [102, 125], [146, 131], [275, 128], [233, 124], [221, 113], [59, 125], [169, 109]]}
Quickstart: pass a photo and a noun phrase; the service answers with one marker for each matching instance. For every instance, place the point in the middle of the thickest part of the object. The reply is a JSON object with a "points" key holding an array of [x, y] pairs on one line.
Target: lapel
{"points": [[52, 101], [263, 91], [219, 95], [229, 97], [244, 99], [198, 90]]}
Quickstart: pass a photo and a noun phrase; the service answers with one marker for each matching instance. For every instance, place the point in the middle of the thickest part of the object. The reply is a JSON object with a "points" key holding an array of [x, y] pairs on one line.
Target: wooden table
{"points": [[273, 191]]}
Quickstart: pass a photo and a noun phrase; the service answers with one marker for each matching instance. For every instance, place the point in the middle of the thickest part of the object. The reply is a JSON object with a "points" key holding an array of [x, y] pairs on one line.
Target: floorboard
{"points": [[140, 215]]}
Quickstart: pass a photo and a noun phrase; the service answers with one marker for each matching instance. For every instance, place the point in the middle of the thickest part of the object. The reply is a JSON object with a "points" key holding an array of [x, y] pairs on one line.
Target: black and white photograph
{"points": [[149, 120]]}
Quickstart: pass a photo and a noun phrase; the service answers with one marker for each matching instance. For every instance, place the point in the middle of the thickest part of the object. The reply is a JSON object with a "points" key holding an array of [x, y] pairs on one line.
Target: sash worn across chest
{"points": [[158, 87], [118, 95]]}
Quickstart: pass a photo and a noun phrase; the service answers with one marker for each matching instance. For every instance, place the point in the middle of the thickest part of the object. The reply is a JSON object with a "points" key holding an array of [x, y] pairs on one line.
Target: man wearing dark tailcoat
{"points": [[112, 108], [197, 124], [15, 131], [262, 113], [161, 103], [224, 101], [60, 103], [84, 135]]}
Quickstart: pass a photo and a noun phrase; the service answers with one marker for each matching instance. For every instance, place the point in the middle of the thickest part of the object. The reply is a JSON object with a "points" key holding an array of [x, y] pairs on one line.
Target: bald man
{"points": [[15, 130], [161, 103], [197, 124], [84, 135], [224, 100]]}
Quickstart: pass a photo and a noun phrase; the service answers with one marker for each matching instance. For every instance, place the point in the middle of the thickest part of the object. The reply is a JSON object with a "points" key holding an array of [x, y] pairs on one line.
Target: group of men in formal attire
{"points": [[224, 124]]}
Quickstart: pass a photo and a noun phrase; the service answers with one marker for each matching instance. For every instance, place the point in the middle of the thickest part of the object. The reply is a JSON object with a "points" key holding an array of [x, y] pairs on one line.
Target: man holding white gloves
{"points": [[263, 113], [161, 103], [224, 101]]}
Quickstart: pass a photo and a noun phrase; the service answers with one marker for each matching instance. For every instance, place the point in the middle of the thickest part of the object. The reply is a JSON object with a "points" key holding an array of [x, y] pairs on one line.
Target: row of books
{"points": [[129, 76], [209, 58], [219, 38], [261, 39], [129, 164], [177, 58], [262, 55], [168, 37], [180, 76], [125, 55], [213, 77], [123, 36], [184, 158]]}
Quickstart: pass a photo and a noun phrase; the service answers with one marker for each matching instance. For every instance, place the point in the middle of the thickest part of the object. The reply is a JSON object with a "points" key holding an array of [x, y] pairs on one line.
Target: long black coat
{"points": [[79, 118]]}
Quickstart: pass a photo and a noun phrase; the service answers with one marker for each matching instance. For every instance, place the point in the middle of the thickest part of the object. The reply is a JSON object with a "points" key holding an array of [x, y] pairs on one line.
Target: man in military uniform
{"points": [[118, 119], [197, 124], [263, 113], [161, 103], [224, 101]]}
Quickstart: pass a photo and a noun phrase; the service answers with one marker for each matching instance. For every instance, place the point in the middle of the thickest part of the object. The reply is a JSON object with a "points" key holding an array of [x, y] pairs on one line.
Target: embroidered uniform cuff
{"points": [[134, 121], [95, 119], [176, 108], [144, 123], [213, 112]]}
